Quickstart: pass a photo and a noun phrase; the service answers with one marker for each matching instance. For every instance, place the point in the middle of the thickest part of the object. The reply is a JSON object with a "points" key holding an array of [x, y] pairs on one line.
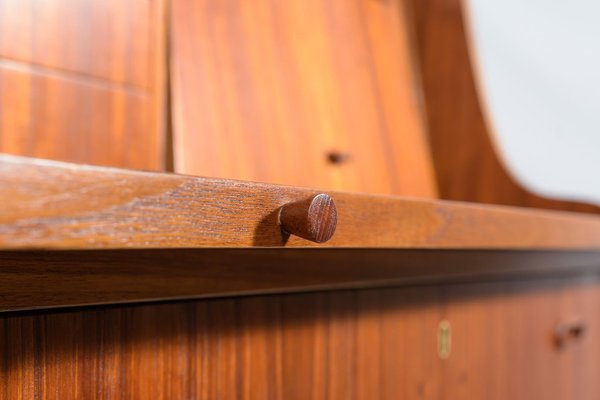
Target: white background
{"points": [[538, 64]]}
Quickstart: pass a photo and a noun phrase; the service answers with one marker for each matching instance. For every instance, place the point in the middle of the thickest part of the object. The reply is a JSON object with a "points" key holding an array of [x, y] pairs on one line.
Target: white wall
{"points": [[539, 75]]}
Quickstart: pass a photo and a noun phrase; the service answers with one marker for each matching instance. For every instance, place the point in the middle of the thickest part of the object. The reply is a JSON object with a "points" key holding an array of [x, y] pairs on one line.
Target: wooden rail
{"points": [[43, 279], [53, 205], [78, 235]]}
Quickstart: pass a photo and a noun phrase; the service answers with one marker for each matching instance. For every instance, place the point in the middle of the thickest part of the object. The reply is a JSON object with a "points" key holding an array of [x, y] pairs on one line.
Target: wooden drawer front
{"points": [[367, 344], [504, 340]]}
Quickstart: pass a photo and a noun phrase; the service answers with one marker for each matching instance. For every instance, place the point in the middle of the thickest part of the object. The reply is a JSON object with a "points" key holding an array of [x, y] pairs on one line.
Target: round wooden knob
{"points": [[314, 218]]}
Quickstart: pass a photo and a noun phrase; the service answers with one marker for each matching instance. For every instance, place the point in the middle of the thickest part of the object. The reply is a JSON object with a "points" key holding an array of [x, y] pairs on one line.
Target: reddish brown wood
{"points": [[567, 331], [503, 340], [268, 91], [69, 278], [360, 344], [582, 359], [353, 344], [56, 205], [313, 219], [84, 81]]}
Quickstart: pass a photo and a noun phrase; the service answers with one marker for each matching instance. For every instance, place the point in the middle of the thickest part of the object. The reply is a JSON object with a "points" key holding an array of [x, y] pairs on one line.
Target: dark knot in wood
{"points": [[313, 219]]}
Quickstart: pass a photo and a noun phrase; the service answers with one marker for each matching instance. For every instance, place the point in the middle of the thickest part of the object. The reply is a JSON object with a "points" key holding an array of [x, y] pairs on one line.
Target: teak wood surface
{"points": [[48, 279], [357, 344], [53, 205], [76, 235], [84, 81], [299, 92], [352, 344]]}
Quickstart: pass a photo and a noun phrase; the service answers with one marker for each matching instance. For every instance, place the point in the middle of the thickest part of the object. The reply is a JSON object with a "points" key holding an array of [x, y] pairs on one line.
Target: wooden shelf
{"points": [[77, 235], [53, 205]]}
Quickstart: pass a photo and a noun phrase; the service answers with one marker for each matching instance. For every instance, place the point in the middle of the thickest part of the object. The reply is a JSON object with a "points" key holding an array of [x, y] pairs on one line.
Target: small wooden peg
{"points": [[313, 219]]}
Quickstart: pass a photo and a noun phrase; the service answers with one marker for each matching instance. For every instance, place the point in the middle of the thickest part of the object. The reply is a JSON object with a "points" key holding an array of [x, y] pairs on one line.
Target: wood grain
{"points": [[467, 165], [34, 279], [314, 218], [109, 40], [510, 326], [353, 344], [58, 205], [356, 344], [84, 81], [274, 91]]}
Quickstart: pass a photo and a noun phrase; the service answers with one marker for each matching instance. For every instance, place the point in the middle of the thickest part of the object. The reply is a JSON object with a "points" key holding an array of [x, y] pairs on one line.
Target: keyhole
{"points": [[337, 157]]}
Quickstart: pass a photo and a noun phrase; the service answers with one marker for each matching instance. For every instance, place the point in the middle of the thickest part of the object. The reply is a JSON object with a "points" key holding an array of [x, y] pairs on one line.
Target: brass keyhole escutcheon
{"points": [[444, 340]]}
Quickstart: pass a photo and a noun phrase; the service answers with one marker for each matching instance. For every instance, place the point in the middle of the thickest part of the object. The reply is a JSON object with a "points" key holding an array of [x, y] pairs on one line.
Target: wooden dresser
{"points": [[140, 258]]}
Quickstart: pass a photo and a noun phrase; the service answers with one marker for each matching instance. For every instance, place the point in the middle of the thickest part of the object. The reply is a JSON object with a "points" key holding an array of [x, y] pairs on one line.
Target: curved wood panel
{"points": [[467, 166], [302, 92]]}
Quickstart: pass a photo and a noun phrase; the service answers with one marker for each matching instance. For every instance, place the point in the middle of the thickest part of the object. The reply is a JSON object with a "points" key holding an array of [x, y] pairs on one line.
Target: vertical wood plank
{"points": [[369, 345], [304, 334], [341, 346], [84, 82], [274, 91]]}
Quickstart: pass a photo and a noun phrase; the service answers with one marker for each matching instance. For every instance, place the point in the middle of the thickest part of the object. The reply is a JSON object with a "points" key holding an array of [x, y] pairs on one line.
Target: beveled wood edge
{"points": [[55, 205], [67, 278]]}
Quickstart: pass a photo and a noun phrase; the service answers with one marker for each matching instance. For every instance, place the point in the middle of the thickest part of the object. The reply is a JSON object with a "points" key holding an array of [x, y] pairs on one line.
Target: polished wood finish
{"points": [[313, 219], [467, 165], [351, 344], [34, 279], [84, 81], [503, 340], [568, 331], [59, 205], [301, 92]]}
